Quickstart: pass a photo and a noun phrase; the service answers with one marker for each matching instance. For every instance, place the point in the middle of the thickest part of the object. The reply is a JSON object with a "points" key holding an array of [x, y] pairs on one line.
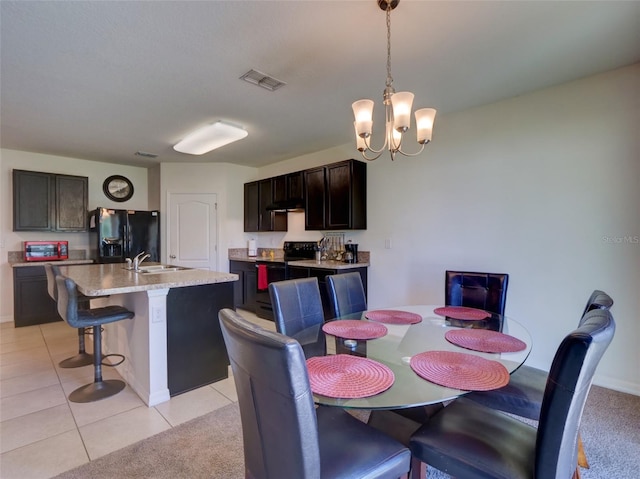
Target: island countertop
{"points": [[106, 279]]}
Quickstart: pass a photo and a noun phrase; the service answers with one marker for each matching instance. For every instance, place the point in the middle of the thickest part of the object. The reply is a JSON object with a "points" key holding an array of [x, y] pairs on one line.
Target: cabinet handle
{"points": [[172, 256]]}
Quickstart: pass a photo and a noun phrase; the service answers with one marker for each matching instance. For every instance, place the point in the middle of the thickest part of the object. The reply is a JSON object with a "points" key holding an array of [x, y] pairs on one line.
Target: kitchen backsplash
{"points": [[17, 256]]}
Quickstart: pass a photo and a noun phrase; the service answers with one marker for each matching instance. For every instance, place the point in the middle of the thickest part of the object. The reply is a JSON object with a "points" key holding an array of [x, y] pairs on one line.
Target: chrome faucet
{"points": [[139, 258]]}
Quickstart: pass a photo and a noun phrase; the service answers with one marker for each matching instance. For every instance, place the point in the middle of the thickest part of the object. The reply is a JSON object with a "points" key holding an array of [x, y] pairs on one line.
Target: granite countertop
{"points": [[63, 262], [328, 264], [105, 279]]}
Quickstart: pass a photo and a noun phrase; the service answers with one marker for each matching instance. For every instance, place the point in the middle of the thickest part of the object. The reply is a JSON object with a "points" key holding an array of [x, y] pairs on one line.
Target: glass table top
{"points": [[396, 348]]}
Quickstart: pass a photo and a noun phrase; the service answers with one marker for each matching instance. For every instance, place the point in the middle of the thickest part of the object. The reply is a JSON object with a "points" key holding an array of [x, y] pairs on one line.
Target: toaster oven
{"points": [[46, 250]]}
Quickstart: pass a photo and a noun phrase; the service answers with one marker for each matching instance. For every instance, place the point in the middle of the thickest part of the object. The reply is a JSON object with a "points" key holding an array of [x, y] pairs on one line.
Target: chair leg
{"points": [[418, 469], [582, 456], [82, 358], [99, 389]]}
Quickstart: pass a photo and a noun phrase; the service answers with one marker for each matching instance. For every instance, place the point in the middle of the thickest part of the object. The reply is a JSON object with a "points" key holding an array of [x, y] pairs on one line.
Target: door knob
{"points": [[172, 256]]}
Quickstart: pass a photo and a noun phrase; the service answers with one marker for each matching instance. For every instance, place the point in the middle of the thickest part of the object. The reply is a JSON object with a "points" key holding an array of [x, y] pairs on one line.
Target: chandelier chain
{"points": [[389, 77]]}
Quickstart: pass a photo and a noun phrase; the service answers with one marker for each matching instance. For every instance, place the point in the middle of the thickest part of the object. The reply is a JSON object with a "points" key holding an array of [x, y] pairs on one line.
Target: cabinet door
{"points": [[31, 301], [251, 206], [295, 185], [71, 203], [238, 290], [32, 201], [314, 213], [269, 220], [266, 198], [250, 288], [280, 189], [338, 212]]}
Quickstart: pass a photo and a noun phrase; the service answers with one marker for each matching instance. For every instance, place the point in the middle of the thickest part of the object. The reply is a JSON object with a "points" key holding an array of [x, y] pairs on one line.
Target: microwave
{"points": [[46, 250]]}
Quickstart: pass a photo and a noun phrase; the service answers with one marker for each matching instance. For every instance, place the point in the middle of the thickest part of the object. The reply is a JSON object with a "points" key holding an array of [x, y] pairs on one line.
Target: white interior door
{"points": [[193, 230]]}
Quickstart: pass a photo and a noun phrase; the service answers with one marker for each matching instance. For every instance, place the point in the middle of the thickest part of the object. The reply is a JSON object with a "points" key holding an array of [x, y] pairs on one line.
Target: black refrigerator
{"points": [[120, 234]]}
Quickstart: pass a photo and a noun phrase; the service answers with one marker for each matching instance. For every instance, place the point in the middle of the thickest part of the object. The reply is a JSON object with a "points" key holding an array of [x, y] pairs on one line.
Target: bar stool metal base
{"points": [[77, 361], [96, 391], [82, 358]]}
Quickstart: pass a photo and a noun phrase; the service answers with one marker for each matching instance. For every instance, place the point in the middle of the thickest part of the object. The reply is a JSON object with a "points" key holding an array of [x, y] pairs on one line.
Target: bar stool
{"points": [[95, 318], [83, 358]]}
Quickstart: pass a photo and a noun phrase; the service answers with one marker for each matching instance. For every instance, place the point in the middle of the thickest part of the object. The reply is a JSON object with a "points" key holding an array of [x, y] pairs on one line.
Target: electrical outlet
{"points": [[156, 315], [387, 244]]}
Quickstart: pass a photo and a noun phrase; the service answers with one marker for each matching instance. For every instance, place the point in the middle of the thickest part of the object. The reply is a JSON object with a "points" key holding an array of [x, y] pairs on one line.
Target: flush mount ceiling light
{"points": [[209, 138], [397, 111]]}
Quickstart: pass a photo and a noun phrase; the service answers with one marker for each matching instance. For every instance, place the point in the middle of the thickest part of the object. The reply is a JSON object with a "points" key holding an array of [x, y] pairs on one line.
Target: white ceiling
{"points": [[100, 80]]}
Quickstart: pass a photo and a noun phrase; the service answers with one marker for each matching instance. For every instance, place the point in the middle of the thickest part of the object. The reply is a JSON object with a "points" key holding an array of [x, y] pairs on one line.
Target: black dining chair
{"points": [[284, 434], [487, 291], [524, 393], [83, 358], [90, 318], [467, 440], [298, 312], [346, 294]]}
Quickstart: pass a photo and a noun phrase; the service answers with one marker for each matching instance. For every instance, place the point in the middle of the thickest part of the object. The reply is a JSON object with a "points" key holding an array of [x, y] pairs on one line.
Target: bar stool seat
{"points": [[95, 318]]}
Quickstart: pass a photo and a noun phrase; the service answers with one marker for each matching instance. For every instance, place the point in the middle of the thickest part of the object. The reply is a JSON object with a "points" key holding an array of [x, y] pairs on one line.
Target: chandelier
{"points": [[397, 111]]}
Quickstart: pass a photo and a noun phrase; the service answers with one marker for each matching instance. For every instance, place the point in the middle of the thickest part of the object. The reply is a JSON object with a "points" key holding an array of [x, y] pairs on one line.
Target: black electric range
{"points": [[271, 271]]}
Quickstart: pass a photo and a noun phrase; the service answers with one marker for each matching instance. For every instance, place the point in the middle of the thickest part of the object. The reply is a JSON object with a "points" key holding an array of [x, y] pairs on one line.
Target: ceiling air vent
{"points": [[263, 80], [145, 154]]}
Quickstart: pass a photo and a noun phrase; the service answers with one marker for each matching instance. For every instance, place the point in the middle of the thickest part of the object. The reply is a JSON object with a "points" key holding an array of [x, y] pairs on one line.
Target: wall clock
{"points": [[118, 188]]}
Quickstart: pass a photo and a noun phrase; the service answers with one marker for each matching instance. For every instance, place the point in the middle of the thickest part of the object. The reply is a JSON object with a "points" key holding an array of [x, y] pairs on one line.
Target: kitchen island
{"points": [[174, 343]]}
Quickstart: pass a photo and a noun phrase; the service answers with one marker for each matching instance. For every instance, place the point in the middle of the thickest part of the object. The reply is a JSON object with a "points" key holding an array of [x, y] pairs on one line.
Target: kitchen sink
{"points": [[159, 268]]}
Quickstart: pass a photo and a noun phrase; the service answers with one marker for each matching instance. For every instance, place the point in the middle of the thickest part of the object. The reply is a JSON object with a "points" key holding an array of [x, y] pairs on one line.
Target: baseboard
{"points": [[617, 385], [6, 319]]}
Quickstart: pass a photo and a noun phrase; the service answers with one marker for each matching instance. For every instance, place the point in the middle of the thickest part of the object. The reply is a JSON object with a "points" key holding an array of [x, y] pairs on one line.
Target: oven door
{"points": [[268, 272]]}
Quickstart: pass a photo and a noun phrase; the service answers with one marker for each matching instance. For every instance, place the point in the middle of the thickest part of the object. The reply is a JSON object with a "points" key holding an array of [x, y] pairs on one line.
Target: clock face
{"points": [[118, 188]]}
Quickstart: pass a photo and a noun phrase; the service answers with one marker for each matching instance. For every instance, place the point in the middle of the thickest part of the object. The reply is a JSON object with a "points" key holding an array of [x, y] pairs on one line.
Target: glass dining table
{"points": [[401, 342]]}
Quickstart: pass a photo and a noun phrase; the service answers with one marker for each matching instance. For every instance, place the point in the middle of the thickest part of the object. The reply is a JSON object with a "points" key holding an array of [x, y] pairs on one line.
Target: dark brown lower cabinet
{"points": [[31, 301], [196, 353]]}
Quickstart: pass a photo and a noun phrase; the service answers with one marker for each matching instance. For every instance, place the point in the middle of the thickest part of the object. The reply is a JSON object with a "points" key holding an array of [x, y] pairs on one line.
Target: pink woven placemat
{"points": [[345, 376], [462, 312], [460, 370], [484, 340], [354, 329], [392, 316]]}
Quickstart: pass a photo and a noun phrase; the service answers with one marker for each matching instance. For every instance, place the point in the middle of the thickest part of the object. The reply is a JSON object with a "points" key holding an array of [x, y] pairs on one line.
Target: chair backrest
{"points": [[279, 424], [486, 291], [566, 392], [346, 294], [68, 301], [52, 271], [598, 300], [297, 307]]}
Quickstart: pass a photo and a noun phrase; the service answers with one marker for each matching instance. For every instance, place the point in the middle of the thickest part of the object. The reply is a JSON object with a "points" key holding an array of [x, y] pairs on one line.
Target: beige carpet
{"points": [[211, 446], [206, 447]]}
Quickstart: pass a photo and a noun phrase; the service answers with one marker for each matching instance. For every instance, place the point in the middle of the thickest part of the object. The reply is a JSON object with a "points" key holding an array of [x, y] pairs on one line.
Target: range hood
{"points": [[294, 204]]}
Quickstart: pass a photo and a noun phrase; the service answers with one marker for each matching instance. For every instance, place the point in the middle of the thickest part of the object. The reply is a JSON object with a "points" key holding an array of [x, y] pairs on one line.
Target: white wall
{"points": [[97, 172], [545, 187]]}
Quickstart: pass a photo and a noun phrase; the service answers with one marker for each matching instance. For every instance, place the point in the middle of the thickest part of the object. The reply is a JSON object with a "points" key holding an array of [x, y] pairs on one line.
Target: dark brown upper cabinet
{"points": [[49, 202], [336, 196], [257, 196]]}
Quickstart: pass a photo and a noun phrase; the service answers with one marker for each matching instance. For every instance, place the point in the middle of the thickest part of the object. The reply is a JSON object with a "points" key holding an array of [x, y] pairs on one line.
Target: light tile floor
{"points": [[43, 434]]}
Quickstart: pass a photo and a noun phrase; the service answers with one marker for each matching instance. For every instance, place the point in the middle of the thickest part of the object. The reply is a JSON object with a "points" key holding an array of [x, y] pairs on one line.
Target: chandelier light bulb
{"points": [[363, 113], [401, 103], [424, 123]]}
